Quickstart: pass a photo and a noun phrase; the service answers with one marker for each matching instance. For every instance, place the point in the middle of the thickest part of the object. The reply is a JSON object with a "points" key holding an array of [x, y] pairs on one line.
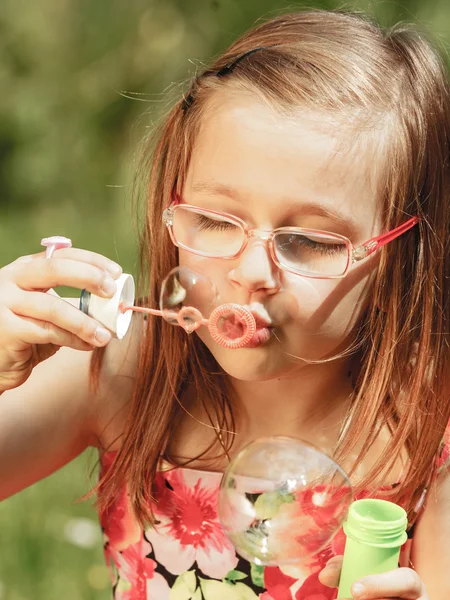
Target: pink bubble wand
{"points": [[222, 324]]}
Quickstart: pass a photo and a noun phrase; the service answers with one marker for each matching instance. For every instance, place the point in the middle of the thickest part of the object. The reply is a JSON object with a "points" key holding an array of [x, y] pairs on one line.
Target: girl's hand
{"points": [[400, 583], [34, 324]]}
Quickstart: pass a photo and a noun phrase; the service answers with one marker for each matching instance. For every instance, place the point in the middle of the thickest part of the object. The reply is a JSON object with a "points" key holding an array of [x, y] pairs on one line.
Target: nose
{"points": [[255, 270]]}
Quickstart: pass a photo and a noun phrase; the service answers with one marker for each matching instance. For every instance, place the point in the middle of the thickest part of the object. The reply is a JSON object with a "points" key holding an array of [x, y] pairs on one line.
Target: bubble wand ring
{"points": [[245, 319]]}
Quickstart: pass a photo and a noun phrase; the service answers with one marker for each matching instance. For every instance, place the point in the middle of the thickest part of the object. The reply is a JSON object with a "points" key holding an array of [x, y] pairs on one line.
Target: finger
{"points": [[54, 310], [52, 272], [401, 583], [32, 331], [78, 254], [329, 576], [73, 301], [335, 561]]}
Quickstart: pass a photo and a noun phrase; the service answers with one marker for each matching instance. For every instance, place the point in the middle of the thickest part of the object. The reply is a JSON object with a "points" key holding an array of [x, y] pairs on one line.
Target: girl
{"points": [[312, 122]]}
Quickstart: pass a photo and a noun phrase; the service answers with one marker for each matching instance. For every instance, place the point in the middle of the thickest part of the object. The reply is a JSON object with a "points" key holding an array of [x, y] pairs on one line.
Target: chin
{"points": [[260, 363], [245, 366], [270, 360]]}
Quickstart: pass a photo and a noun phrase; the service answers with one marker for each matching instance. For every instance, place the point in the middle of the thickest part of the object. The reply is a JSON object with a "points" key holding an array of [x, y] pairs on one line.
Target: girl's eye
{"points": [[302, 242], [204, 223]]}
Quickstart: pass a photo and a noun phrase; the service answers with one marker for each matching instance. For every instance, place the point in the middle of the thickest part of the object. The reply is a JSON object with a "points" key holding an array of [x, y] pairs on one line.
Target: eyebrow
{"points": [[305, 208]]}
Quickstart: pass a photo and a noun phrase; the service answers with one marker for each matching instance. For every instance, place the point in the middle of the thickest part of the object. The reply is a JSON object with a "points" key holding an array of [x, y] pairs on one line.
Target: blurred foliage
{"points": [[81, 83], [51, 546]]}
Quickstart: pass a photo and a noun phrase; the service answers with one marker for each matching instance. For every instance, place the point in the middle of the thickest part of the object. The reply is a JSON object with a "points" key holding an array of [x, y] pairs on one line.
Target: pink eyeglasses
{"points": [[302, 251]]}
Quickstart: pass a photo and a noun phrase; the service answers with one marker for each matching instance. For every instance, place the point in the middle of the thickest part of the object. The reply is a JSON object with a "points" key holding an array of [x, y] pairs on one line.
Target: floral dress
{"points": [[188, 556]]}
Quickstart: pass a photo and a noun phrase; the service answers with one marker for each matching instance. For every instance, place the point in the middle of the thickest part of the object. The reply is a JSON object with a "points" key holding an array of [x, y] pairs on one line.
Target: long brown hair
{"points": [[393, 85]]}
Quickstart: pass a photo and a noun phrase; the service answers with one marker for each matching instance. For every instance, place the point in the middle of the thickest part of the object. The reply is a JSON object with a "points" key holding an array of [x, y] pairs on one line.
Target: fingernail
{"points": [[115, 270], [102, 335], [109, 286], [358, 590]]}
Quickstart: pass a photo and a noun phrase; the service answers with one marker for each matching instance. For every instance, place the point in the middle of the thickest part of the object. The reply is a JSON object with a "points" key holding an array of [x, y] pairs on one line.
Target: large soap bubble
{"points": [[282, 500]]}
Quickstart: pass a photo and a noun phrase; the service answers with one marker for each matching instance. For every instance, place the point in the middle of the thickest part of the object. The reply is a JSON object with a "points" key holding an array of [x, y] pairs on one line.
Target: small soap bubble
{"points": [[185, 288]]}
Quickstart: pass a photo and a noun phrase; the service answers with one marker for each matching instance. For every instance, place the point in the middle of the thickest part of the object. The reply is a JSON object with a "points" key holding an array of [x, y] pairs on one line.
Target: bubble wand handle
{"points": [[168, 314], [375, 532], [104, 310]]}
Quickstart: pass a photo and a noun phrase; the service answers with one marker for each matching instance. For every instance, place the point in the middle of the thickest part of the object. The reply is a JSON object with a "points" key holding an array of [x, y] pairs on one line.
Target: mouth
{"points": [[261, 336], [232, 327]]}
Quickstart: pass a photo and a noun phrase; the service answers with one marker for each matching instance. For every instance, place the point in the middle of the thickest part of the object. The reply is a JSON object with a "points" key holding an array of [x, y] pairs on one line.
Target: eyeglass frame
{"points": [[355, 254]]}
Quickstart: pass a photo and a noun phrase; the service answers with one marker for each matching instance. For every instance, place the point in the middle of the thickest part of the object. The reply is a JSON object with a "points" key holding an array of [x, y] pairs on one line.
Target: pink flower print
{"points": [[338, 542], [134, 568], [189, 529], [139, 571], [327, 505], [118, 521], [157, 588], [110, 563], [294, 534], [277, 584], [312, 589]]}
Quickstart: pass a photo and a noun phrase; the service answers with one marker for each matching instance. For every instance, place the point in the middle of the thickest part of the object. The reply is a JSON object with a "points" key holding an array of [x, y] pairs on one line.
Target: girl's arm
{"points": [[431, 546], [54, 416], [45, 422]]}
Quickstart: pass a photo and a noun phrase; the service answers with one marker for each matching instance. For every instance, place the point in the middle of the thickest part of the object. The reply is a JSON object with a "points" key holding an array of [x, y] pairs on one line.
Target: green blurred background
{"points": [[82, 81]]}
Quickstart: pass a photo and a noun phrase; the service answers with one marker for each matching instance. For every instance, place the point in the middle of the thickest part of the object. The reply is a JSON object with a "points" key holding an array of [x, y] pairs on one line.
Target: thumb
{"points": [[330, 574]]}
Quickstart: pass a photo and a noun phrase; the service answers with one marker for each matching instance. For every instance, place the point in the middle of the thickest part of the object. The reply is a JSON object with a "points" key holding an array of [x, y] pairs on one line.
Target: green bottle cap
{"points": [[376, 522]]}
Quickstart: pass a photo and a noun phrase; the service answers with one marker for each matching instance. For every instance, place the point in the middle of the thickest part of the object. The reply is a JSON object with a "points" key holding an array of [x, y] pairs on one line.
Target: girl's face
{"points": [[272, 171]]}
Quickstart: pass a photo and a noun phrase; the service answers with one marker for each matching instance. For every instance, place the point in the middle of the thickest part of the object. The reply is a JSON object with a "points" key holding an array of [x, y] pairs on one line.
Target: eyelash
{"points": [[204, 223], [321, 247]]}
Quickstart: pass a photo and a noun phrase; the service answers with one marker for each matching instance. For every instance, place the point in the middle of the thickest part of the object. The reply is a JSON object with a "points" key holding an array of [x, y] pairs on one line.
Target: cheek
{"points": [[187, 259], [302, 296], [341, 302]]}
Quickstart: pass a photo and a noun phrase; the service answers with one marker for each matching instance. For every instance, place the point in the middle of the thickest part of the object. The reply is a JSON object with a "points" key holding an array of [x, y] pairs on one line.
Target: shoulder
{"points": [[111, 400]]}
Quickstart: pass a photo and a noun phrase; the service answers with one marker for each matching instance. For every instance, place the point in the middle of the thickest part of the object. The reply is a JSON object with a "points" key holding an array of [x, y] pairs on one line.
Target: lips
{"points": [[261, 336], [264, 325], [233, 327]]}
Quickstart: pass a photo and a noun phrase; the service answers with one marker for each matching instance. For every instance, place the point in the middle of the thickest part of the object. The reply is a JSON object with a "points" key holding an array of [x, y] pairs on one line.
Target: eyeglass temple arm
{"points": [[381, 240]]}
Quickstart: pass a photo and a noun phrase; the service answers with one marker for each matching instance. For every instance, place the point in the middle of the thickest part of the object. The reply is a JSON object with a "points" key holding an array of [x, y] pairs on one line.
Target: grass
{"points": [[50, 545]]}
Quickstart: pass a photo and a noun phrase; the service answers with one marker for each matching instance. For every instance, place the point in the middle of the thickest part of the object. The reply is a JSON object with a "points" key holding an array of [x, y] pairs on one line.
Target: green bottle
{"points": [[375, 531]]}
